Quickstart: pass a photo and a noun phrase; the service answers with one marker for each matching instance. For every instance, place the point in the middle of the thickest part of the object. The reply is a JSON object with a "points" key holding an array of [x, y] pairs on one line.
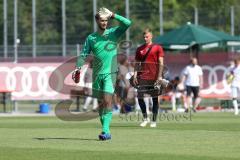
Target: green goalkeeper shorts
{"points": [[104, 84]]}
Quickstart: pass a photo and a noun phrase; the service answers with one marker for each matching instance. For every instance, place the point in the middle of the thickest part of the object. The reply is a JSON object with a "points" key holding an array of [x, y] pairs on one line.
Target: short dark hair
{"points": [[147, 30]]}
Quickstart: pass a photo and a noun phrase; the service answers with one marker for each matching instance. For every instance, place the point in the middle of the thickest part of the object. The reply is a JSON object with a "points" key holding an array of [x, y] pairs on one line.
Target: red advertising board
{"points": [[30, 81]]}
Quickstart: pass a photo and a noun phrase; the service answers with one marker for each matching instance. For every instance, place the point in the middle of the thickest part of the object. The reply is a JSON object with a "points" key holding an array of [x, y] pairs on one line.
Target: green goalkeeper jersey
{"points": [[104, 47]]}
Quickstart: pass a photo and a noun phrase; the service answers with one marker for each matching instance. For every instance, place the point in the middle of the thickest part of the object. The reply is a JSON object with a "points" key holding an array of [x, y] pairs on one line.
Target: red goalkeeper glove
{"points": [[76, 75]]}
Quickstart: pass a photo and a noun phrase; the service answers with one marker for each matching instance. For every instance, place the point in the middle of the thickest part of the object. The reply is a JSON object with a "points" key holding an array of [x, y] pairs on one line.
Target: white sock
{"points": [[235, 105], [95, 103], [173, 100], [87, 102], [190, 103]]}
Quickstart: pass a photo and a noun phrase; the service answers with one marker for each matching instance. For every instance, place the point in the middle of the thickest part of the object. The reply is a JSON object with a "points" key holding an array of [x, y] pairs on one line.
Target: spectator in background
{"points": [[177, 94], [230, 68], [235, 84], [88, 90], [123, 84], [193, 78]]}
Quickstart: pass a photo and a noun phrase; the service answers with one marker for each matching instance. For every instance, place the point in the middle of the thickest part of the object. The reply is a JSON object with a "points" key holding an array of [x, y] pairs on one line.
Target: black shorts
{"points": [[194, 90]]}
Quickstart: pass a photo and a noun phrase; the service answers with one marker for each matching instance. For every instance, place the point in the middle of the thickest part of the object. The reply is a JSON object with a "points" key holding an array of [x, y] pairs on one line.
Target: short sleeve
{"points": [[160, 51], [200, 71], [185, 71]]}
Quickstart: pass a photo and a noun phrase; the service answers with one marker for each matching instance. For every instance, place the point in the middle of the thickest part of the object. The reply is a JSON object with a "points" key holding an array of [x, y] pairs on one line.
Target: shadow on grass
{"points": [[126, 126], [61, 138]]}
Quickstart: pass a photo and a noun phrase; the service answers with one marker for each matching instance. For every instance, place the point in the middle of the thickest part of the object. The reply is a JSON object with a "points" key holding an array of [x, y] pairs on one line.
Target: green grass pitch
{"points": [[208, 136]]}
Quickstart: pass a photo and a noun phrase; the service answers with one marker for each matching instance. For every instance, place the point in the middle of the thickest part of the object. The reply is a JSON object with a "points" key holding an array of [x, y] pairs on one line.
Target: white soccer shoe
{"points": [[145, 122], [153, 124]]}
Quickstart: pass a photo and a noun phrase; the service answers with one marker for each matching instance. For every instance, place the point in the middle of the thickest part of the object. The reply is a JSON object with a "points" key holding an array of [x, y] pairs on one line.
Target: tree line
{"points": [[145, 13]]}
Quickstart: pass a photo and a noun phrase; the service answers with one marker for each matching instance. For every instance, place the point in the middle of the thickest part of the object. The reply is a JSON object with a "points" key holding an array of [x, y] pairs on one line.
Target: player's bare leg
{"points": [[197, 102]]}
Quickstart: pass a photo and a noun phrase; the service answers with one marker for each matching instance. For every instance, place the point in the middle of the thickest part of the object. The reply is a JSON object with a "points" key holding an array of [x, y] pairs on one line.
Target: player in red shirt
{"points": [[148, 71]]}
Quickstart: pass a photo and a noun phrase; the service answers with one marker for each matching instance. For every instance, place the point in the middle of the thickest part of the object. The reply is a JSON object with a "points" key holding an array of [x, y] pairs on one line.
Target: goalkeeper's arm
{"points": [[124, 22], [84, 53], [81, 60]]}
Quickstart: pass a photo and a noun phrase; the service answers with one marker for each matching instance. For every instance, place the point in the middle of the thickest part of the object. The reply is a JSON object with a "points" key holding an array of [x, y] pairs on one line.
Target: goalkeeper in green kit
{"points": [[103, 45]]}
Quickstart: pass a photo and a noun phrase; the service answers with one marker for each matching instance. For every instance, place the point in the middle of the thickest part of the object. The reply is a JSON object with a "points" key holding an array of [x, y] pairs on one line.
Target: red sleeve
{"points": [[160, 51]]}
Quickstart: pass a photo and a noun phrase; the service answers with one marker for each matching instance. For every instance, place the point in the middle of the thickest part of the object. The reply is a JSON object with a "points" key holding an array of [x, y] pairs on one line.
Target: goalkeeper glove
{"points": [[105, 13], [76, 75]]}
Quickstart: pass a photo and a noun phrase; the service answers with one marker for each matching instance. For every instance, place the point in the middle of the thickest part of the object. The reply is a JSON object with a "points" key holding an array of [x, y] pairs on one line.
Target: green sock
{"points": [[107, 117], [100, 112]]}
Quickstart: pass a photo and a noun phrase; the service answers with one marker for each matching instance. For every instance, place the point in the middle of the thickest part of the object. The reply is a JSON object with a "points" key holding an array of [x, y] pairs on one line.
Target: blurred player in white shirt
{"points": [[192, 77], [235, 85]]}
